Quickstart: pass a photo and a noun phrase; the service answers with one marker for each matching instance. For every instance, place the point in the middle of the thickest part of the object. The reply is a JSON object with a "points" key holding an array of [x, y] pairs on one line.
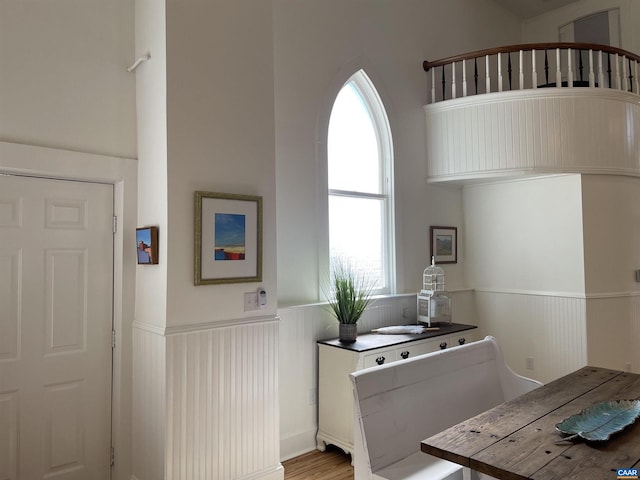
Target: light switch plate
{"points": [[250, 301]]}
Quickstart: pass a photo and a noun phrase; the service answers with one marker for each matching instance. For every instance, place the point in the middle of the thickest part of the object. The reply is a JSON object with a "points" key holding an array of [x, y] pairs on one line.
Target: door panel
{"points": [[10, 260], [8, 434], [65, 317], [56, 278]]}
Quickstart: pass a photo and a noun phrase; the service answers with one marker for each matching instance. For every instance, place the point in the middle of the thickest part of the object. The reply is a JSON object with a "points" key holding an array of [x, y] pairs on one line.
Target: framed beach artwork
{"points": [[228, 238], [147, 245], [444, 244]]}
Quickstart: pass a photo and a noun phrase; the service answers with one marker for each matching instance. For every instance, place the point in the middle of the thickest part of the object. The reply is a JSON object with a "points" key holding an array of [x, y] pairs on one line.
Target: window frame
{"points": [[365, 88]]}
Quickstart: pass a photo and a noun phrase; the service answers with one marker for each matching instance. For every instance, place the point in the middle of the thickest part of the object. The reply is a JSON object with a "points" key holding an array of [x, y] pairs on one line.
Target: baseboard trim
{"points": [[296, 445], [276, 473]]}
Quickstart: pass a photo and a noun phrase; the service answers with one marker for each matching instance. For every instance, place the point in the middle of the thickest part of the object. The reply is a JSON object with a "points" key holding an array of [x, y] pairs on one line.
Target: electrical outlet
{"points": [[530, 363], [250, 301], [627, 367], [405, 311]]}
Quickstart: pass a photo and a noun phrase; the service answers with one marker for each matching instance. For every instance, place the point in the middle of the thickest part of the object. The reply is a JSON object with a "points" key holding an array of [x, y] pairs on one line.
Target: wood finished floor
{"points": [[332, 464]]}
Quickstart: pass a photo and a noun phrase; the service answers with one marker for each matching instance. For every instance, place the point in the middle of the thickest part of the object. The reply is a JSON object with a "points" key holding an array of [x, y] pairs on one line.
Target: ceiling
{"points": [[531, 8]]}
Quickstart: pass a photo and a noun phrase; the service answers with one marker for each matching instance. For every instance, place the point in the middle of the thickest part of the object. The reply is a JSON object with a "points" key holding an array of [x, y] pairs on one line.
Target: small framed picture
{"points": [[228, 238], [147, 245], [444, 244]]}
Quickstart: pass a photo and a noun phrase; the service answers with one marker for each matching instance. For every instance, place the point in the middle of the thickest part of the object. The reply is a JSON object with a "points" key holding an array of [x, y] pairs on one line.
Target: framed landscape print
{"points": [[228, 238], [444, 244]]}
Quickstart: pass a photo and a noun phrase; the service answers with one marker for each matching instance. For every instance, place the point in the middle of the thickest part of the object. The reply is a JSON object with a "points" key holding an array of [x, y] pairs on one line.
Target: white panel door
{"points": [[56, 279]]}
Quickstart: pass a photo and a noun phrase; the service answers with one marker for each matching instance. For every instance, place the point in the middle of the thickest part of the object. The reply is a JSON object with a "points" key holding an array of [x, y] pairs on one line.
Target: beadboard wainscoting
{"points": [[149, 386], [548, 328], [482, 136], [300, 328], [218, 415], [222, 402]]}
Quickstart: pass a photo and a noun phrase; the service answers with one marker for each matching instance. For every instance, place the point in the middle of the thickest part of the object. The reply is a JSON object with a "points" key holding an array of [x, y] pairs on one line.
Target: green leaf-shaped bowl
{"points": [[602, 420]]}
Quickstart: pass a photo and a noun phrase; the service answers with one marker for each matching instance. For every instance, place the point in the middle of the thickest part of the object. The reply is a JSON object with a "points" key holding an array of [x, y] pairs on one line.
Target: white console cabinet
{"points": [[336, 360]]}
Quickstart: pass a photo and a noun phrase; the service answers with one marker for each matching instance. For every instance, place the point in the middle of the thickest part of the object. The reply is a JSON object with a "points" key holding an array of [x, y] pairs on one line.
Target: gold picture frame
{"points": [[228, 238]]}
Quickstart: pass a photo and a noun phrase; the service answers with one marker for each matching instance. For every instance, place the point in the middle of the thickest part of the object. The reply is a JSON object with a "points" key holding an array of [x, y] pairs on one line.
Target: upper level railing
{"points": [[533, 65]]}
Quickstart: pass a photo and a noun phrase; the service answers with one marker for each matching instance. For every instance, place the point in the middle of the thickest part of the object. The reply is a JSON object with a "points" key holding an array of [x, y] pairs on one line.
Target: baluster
{"points": [[464, 78], [521, 79], [453, 80], [546, 68], [622, 73], [433, 85], [488, 75], [580, 67], [509, 68], [534, 73], [569, 69], [475, 73], [499, 72]]}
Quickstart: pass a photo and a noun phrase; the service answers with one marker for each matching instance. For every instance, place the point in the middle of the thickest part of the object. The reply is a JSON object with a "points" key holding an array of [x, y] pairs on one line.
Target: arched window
{"points": [[360, 160]]}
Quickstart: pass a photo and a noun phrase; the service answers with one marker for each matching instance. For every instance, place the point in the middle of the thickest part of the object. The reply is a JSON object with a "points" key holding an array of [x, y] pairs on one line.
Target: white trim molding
{"points": [[543, 293]]}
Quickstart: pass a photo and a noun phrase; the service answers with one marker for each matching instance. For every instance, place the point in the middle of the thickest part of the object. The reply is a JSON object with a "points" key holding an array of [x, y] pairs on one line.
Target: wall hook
{"points": [[137, 63]]}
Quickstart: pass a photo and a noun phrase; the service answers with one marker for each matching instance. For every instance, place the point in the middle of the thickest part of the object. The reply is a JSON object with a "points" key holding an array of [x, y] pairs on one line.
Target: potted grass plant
{"points": [[350, 295]]}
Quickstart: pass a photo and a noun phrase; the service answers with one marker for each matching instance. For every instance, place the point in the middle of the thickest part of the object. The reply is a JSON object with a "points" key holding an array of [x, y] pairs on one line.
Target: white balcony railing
{"points": [[530, 66]]}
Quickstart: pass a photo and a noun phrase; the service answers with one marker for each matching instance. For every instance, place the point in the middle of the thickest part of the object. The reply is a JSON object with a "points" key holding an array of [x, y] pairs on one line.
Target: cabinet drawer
{"points": [[380, 358], [456, 339], [415, 350]]}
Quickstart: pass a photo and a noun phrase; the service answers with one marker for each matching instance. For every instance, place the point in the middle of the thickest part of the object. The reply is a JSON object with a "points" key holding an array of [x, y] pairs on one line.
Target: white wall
{"points": [[525, 235], [525, 263], [545, 28], [149, 366], [317, 46], [220, 114], [151, 95], [611, 217], [64, 82]]}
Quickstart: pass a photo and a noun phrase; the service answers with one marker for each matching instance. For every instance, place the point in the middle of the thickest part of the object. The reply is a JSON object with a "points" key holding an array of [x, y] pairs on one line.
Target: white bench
{"points": [[399, 404]]}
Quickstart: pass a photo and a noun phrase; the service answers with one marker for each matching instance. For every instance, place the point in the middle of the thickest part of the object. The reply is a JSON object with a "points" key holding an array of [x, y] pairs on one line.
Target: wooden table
{"points": [[517, 439]]}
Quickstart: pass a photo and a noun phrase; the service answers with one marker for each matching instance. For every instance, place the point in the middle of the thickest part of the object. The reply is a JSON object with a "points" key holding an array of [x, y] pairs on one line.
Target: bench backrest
{"points": [[399, 404]]}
